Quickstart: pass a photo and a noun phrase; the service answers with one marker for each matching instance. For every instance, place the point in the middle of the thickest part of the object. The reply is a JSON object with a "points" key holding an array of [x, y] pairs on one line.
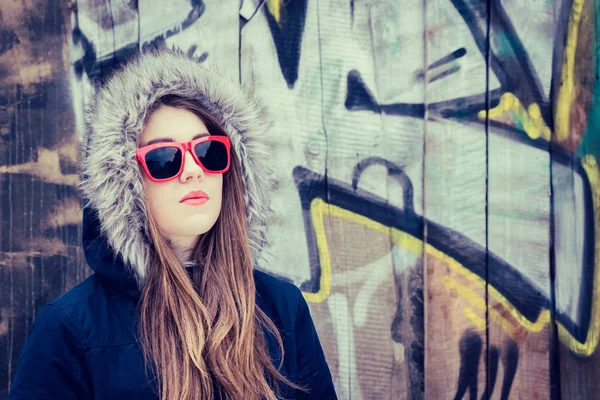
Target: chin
{"points": [[198, 229]]}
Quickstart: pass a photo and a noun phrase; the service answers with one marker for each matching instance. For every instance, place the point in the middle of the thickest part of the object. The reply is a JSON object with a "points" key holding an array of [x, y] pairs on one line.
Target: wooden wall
{"points": [[438, 192]]}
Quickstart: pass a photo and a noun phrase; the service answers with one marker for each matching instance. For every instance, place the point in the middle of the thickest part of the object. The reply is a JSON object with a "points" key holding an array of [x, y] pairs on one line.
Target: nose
{"points": [[190, 168]]}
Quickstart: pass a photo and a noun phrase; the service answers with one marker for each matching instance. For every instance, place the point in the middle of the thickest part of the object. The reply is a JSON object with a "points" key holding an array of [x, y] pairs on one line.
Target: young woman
{"points": [[177, 187]]}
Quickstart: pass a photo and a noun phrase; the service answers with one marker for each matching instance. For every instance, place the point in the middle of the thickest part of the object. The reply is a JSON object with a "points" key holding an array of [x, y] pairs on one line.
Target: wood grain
{"points": [[40, 256], [455, 198]]}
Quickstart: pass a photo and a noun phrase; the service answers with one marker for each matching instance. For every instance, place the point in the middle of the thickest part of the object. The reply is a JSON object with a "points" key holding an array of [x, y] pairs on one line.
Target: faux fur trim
{"points": [[114, 118]]}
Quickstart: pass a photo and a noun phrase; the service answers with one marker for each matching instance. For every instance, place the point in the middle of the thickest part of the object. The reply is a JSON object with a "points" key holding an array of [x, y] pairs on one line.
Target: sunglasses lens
{"points": [[164, 162], [212, 154]]}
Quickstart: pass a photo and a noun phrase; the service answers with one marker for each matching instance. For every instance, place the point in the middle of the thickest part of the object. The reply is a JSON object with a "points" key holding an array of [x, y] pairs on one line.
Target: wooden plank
{"points": [[323, 131], [296, 137], [455, 199], [518, 225], [270, 59], [40, 256], [379, 143], [298, 140], [394, 33], [105, 33], [519, 328], [576, 199], [210, 30]]}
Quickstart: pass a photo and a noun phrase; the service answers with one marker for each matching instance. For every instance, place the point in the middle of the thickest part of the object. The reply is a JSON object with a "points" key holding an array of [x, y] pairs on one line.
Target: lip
{"points": [[194, 197], [195, 202]]}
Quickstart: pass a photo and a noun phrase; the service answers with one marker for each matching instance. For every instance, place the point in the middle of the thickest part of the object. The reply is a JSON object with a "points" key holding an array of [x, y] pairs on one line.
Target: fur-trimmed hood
{"points": [[115, 214]]}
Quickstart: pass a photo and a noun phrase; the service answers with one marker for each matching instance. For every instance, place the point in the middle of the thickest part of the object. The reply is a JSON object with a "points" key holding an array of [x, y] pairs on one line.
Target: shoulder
{"points": [[78, 300], [276, 287], [53, 322], [52, 335], [99, 319], [78, 293], [279, 299]]}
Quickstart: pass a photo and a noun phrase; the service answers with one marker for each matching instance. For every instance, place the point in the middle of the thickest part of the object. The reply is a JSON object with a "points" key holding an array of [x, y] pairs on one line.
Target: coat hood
{"points": [[115, 219]]}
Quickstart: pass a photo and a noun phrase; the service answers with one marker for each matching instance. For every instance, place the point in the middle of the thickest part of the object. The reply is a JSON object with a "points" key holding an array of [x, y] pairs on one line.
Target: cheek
{"points": [[160, 200], [218, 189], [158, 194], [213, 185]]}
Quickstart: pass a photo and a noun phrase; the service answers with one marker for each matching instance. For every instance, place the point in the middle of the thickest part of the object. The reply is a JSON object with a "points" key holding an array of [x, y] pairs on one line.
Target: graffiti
{"points": [[510, 64], [529, 120], [411, 332], [471, 348], [110, 33], [527, 305], [520, 110], [567, 88], [360, 98], [286, 22]]}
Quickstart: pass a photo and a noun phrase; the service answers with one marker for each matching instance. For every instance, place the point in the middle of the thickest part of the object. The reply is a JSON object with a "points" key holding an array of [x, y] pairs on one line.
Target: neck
{"points": [[182, 248], [183, 254]]}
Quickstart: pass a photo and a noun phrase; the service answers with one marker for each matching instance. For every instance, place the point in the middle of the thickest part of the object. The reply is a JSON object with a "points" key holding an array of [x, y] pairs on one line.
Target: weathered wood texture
{"points": [[455, 200], [518, 216], [437, 188], [576, 199], [40, 255]]}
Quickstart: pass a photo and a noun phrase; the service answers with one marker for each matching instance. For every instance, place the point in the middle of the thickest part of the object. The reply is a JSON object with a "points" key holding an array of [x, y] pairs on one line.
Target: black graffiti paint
{"points": [[416, 346], [455, 55], [99, 66], [287, 35], [492, 374], [471, 349], [442, 62], [515, 71], [411, 331], [360, 98], [510, 360], [97, 70], [511, 65], [392, 170], [504, 277]]}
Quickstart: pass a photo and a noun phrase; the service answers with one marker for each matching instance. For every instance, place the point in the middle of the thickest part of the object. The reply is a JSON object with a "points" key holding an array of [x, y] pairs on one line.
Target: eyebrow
{"points": [[159, 140]]}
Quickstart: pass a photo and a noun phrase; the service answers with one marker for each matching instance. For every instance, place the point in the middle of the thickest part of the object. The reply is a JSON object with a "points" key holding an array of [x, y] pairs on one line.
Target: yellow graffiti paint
{"points": [[565, 92], [479, 302], [320, 209], [465, 292], [503, 323], [539, 125], [538, 325], [531, 119], [274, 7], [588, 347], [475, 319], [470, 296]]}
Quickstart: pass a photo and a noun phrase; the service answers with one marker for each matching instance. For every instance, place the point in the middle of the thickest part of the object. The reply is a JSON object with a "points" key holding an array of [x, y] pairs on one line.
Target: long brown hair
{"points": [[204, 334]]}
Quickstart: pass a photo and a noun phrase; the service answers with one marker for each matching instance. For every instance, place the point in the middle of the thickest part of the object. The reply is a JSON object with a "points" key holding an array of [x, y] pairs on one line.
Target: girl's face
{"points": [[181, 221]]}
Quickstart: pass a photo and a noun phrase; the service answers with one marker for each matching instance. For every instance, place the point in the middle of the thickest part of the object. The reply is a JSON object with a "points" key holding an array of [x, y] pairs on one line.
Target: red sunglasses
{"points": [[164, 161]]}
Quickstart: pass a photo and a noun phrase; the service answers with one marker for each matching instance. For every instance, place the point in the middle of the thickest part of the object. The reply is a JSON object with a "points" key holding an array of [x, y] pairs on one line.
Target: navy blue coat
{"points": [[82, 345]]}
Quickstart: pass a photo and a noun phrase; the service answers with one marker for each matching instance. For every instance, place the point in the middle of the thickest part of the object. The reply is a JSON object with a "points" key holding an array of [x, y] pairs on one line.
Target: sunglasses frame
{"points": [[184, 147]]}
